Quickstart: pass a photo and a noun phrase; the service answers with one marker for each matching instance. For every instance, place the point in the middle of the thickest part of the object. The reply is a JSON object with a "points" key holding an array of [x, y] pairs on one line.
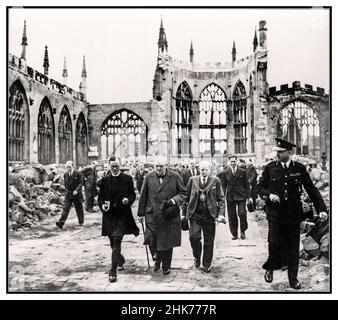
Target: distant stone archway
{"points": [[18, 124], [46, 133], [123, 134], [65, 134], [81, 141]]}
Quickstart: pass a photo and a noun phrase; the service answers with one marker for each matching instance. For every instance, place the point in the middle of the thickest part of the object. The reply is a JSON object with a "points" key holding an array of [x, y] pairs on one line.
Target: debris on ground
{"points": [[35, 192]]}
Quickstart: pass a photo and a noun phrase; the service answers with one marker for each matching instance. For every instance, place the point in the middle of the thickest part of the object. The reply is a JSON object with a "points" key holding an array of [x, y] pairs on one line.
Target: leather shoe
{"points": [[157, 266], [197, 262], [59, 224], [166, 272], [268, 276], [295, 284], [234, 238], [112, 277], [242, 235], [206, 269]]}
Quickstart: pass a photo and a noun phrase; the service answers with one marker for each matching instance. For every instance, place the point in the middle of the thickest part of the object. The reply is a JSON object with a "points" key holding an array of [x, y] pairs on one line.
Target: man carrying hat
{"points": [[162, 193], [281, 188]]}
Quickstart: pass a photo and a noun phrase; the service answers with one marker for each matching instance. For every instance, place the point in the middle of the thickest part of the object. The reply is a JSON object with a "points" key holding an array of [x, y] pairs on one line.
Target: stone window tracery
{"points": [[183, 123], [123, 134], [299, 124], [46, 133], [240, 118], [65, 136], [212, 121], [81, 141]]}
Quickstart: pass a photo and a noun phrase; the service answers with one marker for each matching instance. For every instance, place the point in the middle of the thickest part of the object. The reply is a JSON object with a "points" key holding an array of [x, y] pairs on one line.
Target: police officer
{"points": [[281, 187]]}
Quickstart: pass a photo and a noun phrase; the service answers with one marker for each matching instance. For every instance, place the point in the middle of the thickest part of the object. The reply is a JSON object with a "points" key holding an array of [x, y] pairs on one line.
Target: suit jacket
{"points": [[215, 197], [117, 213], [235, 186], [73, 183], [168, 233], [187, 174]]}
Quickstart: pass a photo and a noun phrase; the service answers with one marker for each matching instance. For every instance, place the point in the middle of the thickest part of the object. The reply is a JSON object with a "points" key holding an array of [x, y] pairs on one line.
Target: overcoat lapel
{"points": [[164, 180]]}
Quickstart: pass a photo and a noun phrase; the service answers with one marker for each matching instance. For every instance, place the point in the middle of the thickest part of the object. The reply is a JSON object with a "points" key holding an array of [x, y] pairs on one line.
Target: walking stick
{"points": [[144, 236]]}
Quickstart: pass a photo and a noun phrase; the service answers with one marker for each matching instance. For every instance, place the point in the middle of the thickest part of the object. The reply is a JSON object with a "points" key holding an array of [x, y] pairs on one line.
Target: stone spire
{"points": [[84, 71], [24, 41], [65, 72], [233, 53], [46, 62], [191, 53], [255, 41], [83, 83], [162, 39]]}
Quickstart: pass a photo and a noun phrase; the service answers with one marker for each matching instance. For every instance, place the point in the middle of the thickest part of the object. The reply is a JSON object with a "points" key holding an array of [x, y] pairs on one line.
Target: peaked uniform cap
{"points": [[283, 145]]}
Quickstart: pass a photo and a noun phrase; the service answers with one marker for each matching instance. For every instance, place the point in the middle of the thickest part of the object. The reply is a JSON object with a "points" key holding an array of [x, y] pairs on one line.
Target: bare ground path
{"points": [[77, 259]]}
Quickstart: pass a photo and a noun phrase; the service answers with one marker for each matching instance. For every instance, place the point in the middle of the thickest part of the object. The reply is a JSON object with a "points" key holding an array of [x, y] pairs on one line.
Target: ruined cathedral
{"points": [[197, 111]]}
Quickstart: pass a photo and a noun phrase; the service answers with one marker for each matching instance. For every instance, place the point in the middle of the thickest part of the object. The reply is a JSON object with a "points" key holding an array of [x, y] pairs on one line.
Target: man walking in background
{"points": [[73, 195], [235, 183]]}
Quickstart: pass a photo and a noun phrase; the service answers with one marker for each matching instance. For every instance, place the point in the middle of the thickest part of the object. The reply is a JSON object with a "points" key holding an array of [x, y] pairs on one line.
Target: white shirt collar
{"points": [[287, 163]]}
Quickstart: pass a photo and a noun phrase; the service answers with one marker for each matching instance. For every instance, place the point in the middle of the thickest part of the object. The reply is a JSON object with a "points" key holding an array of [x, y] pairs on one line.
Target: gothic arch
{"points": [[123, 133], [183, 119], [298, 122], [18, 124], [81, 141], [65, 135], [46, 133], [212, 120], [240, 118]]}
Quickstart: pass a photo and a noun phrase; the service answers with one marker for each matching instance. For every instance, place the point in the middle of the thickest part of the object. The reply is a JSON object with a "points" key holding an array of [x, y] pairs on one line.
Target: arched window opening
{"points": [[18, 124], [240, 118], [81, 141], [65, 137], [299, 124], [183, 119], [212, 121], [46, 133], [123, 134]]}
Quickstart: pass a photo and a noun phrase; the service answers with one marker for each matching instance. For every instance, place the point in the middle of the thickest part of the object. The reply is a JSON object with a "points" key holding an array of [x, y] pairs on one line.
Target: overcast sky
{"points": [[120, 45]]}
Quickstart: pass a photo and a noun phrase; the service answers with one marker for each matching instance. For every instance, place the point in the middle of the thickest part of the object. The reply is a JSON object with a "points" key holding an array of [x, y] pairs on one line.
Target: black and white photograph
{"points": [[169, 150]]}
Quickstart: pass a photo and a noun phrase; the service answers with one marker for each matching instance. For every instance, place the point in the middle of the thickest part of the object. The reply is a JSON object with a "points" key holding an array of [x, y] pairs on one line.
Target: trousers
{"points": [[283, 240], [233, 215], [208, 228], [117, 259], [78, 208]]}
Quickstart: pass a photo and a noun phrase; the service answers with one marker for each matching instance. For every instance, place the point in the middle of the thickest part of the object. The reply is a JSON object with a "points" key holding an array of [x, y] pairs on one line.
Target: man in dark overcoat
{"points": [[162, 235], [204, 206], [115, 199], [89, 179], [235, 183], [73, 195], [281, 188]]}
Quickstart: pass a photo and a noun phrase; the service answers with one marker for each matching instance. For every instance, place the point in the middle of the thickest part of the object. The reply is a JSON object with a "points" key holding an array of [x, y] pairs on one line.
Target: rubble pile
{"points": [[35, 193]]}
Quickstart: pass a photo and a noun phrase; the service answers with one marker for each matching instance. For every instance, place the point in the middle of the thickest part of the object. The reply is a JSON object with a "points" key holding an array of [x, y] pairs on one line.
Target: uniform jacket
{"points": [[236, 187], [287, 184], [73, 183], [187, 174], [152, 195], [117, 210], [215, 197]]}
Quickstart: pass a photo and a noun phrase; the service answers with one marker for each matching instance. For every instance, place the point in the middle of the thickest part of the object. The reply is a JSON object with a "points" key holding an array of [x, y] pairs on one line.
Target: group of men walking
{"points": [[170, 199]]}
